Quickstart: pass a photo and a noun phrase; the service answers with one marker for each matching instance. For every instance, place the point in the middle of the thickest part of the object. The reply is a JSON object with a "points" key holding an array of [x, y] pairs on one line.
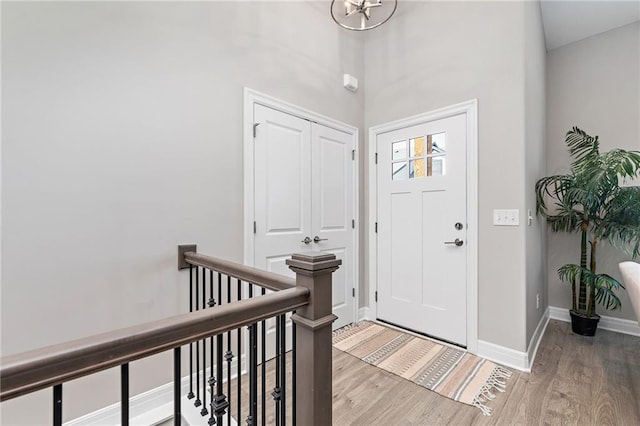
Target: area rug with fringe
{"points": [[449, 371]]}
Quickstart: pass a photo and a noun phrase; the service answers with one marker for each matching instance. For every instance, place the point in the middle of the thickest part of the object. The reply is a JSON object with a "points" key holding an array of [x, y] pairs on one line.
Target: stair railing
{"points": [[308, 297]]}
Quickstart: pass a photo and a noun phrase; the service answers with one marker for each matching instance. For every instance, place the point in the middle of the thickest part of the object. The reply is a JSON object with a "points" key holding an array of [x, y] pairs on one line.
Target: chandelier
{"points": [[361, 15]]}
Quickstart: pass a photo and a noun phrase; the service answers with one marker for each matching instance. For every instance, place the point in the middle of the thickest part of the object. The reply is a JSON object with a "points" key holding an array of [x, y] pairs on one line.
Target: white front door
{"points": [[303, 198], [422, 256]]}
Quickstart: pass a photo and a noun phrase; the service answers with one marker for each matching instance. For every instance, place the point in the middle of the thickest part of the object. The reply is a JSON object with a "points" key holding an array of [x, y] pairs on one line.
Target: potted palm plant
{"points": [[590, 200]]}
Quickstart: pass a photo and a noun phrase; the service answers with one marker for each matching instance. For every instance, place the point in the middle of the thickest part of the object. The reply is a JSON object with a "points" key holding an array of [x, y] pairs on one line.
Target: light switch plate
{"points": [[506, 217]]}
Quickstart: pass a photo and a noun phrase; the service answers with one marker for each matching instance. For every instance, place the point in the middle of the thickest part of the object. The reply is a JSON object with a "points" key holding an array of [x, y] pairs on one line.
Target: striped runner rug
{"points": [[451, 372]]}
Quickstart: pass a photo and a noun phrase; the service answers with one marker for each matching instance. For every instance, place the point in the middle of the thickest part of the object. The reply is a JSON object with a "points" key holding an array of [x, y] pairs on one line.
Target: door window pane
{"points": [[399, 150], [416, 168], [416, 147], [437, 144], [437, 167], [399, 171]]}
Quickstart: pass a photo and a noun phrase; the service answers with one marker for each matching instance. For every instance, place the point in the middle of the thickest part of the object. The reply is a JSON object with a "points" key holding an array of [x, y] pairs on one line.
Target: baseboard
{"points": [[363, 314], [503, 355], [144, 408], [508, 357], [606, 323], [151, 407], [534, 343]]}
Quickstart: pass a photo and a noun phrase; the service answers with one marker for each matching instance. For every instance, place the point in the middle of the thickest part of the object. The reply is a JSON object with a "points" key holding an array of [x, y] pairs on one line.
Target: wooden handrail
{"points": [[38, 369], [268, 280]]}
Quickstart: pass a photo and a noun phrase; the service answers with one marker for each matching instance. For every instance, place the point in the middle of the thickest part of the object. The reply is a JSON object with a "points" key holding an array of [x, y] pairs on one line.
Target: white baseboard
{"points": [[606, 323], [503, 355], [522, 361], [363, 314], [144, 408], [534, 343], [151, 407]]}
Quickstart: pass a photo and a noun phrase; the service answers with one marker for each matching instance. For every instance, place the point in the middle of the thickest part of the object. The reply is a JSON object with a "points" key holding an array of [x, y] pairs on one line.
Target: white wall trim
{"points": [[522, 361], [153, 406], [470, 109], [503, 355], [617, 325], [253, 97], [363, 314], [532, 351]]}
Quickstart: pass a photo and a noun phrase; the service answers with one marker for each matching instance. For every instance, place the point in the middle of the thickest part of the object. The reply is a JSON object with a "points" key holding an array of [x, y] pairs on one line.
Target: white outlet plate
{"points": [[508, 217]]}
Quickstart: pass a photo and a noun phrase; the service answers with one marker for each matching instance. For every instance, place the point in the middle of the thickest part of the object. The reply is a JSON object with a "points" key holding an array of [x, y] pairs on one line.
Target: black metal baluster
{"points": [[220, 403], [197, 402], [283, 368], [212, 380], [190, 395], [277, 390], [124, 394], [293, 372], [228, 356], [253, 376], [253, 372], [212, 301], [239, 379], [204, 410], [57, 405], [177, 412], [264, 367]]}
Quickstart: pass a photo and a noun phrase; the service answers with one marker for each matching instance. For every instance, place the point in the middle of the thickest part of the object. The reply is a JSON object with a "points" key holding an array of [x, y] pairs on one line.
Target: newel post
{"points": [[313, 337]]}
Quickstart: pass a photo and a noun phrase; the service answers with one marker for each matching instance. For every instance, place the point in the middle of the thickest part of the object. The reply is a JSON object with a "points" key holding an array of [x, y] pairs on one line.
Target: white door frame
{"points": [[252, 97], [470, 110]]}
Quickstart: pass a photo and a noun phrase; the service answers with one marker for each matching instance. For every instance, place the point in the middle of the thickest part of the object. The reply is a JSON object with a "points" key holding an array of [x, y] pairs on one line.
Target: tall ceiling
{"points": [[566, 21]]}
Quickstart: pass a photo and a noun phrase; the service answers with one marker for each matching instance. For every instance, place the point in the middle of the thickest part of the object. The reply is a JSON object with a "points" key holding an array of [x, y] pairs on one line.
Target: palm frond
{"points": [[604, 294], [570, 273], [581, 145]]}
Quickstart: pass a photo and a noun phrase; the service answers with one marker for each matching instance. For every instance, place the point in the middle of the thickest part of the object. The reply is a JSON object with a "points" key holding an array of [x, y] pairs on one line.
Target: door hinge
{"points": [[376, 293], [255, 127], [376, 155], [353, 224], [254, 226], [376, 227], [353, 292], [353, 154]]}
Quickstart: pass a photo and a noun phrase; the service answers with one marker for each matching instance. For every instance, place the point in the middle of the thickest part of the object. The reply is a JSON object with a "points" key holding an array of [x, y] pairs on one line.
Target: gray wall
{"points": [[535, 104], [435, 54], [593, 84], [122, 131]]}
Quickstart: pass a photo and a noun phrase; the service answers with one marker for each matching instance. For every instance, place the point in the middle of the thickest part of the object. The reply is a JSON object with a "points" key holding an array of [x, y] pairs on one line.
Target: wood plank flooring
{"points": [[575, 381]]}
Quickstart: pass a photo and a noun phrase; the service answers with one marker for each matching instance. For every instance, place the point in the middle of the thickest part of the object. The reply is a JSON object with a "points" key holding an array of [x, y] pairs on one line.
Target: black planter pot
{"points": [[582, 325]]}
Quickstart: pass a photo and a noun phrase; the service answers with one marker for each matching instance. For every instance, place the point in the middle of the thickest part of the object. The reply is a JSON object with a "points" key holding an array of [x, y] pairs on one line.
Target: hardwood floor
{"points": [[575, 380]]}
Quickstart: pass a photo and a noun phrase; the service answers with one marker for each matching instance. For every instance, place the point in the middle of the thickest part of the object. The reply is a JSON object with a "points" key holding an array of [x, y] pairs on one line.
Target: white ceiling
{"points": [[566, 21]]}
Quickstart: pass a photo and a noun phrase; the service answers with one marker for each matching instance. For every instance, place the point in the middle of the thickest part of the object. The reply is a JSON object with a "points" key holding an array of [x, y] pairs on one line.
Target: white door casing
{"points": [[417, 236], [300, 178]]}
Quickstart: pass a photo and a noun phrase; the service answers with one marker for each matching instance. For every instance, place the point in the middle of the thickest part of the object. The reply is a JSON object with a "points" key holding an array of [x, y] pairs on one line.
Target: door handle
{"points": [[317, 239], [306, 240], [458, 242]]}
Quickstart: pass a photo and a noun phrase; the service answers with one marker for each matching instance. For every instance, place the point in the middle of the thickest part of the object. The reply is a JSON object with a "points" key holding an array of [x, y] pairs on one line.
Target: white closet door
{"points": [[303, 188], [332, 211]]}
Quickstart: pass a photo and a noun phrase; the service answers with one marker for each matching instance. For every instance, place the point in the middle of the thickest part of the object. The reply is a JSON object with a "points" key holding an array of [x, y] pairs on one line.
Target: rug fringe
{"points": [[497, 381]]}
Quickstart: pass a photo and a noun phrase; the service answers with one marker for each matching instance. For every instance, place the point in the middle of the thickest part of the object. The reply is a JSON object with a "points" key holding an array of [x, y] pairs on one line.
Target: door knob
{"points": [[458, 242], [318, 239], [306, 240]]}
